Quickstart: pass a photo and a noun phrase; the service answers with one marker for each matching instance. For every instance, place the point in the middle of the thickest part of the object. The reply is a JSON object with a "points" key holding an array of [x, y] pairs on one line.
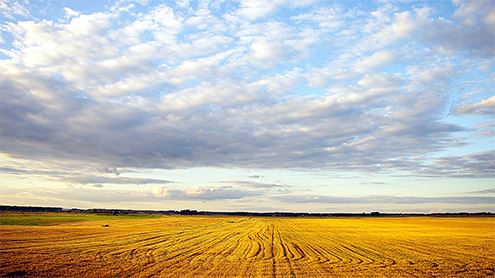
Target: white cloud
{"points": [[159, 88], [327, 18], [485, 106], [266, 52], [207, 193], [317, 78], [471, 30], [468, 11], [70, 12], [377, 59], [380, 80], [253, 9], [401, 26], [10, 9], [93, 102]]}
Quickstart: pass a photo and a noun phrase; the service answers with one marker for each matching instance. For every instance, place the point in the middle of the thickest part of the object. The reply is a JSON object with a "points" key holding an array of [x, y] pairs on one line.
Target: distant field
{"points": [[102, 246], [40, 219]]}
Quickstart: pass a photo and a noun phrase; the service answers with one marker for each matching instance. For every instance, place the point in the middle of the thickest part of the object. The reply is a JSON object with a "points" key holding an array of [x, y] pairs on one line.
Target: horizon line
{"points": [[213, 212]]}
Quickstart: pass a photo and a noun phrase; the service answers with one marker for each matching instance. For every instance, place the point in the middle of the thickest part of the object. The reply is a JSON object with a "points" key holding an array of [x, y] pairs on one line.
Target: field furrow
{"points": [[246, 247]]}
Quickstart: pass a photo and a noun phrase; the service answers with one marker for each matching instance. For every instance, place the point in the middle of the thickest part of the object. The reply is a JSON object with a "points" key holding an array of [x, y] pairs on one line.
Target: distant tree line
{"points": [[5, 208], [30, 209]]}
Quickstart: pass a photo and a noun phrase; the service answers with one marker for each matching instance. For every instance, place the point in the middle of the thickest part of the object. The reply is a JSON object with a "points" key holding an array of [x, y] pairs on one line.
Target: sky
{"points": [[314, 106]]}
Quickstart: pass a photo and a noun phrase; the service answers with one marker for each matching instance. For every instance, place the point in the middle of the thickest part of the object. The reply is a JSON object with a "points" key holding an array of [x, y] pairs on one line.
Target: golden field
{"points": [[195, 246]]}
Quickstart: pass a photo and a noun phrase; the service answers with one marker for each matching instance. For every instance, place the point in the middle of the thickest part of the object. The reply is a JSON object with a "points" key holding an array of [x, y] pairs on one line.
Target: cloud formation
{"points": [[88, 93], [384, 199], [123, 88], [112, 180], [207, 193], [484, 191], [484, 107]]}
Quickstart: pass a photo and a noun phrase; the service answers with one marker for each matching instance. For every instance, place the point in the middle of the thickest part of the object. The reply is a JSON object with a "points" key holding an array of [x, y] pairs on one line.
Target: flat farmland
{"points": [[195, 246]]}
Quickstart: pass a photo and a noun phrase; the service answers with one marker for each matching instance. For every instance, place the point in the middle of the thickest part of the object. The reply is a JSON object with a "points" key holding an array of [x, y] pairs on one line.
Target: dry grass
{"points": [[240, 246]]}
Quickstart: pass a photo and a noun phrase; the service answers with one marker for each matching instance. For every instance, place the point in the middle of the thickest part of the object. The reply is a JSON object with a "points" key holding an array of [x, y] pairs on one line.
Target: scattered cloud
{"points": [[90, 94], [376, 59], [477, 165], [471, 31], [259, 185], [383, 199], [484, 191], [484, 107], [98, 194], [114, 171], [253, 9], [112, 180], [11, 9], [374, 182], [207, 193]]}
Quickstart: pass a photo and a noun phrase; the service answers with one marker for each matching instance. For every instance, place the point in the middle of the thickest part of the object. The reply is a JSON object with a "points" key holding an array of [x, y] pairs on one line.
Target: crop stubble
{"points": [[241, 246]]}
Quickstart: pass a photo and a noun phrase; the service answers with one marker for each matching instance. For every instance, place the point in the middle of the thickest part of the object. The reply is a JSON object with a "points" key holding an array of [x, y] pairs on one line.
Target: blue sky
{"points": [[248, 105]]}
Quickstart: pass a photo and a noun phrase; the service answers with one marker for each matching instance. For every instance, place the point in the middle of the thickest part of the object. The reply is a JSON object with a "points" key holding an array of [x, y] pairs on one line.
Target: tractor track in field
{"points": [[245, 247]]}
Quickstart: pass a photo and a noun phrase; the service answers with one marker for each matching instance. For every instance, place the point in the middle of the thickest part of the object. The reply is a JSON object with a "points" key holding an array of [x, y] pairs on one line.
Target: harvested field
{"points": [[195, 246]]}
